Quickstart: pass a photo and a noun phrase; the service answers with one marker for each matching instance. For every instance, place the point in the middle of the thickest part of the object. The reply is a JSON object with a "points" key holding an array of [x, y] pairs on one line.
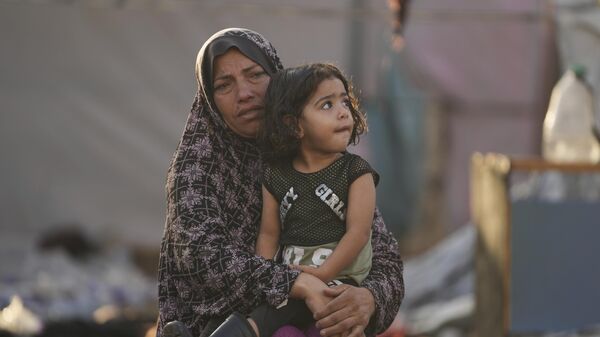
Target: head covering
{"points": [[207, 264], [251, 44], [214, 203]]}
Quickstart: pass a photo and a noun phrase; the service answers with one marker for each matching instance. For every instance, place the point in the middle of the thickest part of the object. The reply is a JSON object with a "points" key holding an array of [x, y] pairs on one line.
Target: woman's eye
{"points": [[258, 74], [221, 86]]}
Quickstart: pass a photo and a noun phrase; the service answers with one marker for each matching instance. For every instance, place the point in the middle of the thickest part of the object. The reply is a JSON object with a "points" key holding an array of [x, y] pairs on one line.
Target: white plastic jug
{"points": [[568, 127]]}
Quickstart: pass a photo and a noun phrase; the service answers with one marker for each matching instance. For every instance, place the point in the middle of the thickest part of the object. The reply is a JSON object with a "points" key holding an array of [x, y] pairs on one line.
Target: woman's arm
{"points": [[385, 279], [270, 228], [375, 304], [209, 269], [207, 262], [359, 217]]}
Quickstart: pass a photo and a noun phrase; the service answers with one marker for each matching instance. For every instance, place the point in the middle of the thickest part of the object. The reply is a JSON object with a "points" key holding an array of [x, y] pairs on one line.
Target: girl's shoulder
{"points": [[353, 160], [358, 166]]}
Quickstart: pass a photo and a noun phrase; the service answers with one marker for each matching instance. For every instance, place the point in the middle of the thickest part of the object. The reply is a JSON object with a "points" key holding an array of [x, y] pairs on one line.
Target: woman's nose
{"points": [[246, 90]]}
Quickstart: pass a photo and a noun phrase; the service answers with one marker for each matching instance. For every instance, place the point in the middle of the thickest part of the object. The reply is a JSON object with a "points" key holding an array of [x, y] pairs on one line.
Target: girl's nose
{"points": [[343, 111]]}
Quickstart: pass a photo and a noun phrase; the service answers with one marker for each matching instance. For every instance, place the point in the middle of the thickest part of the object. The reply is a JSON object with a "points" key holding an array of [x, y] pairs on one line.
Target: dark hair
{"points": [[287, 95]]}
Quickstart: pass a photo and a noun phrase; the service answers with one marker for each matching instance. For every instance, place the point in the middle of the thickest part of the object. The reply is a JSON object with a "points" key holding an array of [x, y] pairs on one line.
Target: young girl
{"points": [[318, 199]]}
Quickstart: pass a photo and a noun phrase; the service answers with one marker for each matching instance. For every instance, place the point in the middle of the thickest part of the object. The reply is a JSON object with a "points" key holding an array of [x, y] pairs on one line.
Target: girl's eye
{"points": [[327, 106], [346, 103]]}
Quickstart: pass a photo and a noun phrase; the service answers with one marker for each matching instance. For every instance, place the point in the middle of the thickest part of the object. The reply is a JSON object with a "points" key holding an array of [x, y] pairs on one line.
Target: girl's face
{"points": [[326, 121]]}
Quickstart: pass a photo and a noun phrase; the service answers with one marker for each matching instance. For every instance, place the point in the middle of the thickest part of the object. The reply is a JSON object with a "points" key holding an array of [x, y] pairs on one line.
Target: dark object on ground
{"points": [[71, 239], [235, 325], [79, 328]]}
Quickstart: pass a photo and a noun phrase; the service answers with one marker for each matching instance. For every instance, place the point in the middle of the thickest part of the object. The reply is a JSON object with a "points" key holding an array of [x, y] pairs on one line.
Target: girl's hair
{"points": [[287, 95]]}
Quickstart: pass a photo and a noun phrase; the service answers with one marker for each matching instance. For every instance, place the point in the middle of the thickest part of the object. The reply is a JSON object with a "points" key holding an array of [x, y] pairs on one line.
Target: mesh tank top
{"points": [[312, 206]]}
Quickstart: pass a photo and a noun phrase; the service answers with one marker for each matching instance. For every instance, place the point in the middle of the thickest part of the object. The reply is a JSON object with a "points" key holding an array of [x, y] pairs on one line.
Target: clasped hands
{"points": [[342, 310]]}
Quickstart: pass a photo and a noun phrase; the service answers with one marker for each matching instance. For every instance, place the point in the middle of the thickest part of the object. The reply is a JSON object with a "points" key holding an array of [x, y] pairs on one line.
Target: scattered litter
{"points": [[18, 320]]}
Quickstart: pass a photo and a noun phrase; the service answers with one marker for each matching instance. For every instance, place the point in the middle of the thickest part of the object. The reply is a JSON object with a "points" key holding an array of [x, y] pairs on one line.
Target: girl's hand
{"points": [[312, 290], [317, 301]]}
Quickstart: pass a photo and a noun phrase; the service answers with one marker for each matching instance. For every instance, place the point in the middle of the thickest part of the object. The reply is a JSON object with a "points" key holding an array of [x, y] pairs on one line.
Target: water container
{"points": [[568, 127]]}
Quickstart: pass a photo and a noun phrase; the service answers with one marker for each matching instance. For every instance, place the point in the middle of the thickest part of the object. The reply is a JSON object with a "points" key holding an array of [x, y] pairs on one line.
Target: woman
{"points": [[207, 264]]}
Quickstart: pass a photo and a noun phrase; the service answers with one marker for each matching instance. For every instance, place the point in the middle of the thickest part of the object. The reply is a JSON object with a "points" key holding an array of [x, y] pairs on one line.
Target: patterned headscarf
{"points": [[208, 147], [207, 264], [248, 42]]}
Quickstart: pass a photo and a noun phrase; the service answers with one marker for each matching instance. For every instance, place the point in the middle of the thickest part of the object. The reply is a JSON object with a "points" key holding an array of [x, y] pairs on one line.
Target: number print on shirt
{"points": [[295, 255], [292, 255]]}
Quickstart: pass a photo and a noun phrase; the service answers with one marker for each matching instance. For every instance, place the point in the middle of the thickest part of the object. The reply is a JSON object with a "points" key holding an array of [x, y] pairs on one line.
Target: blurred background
{"points": [[94, 95]]}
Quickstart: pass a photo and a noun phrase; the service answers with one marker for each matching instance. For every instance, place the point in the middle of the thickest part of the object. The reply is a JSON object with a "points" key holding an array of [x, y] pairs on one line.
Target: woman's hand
{"points": [[348, 313]]}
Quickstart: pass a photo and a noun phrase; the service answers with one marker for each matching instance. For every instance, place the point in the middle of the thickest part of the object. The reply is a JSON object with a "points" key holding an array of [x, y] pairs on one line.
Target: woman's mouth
{"points": [[251, 112]]}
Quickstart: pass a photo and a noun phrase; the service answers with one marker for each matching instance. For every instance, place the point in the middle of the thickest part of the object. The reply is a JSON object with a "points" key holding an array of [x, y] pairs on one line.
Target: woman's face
{"points": [[239, 87]]}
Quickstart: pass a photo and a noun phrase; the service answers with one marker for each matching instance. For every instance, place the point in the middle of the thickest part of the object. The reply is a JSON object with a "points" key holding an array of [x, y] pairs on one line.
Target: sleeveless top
{"points": [[312, 209]]}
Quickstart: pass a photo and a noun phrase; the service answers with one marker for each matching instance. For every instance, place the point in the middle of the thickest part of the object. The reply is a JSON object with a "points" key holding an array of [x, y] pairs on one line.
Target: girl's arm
{"points": [[384, 287], [268, 235], [306, 287], [359, 217]]}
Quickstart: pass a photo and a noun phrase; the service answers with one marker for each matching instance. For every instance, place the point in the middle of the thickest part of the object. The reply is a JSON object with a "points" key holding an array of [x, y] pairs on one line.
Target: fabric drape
{"points": [[207, 264]]}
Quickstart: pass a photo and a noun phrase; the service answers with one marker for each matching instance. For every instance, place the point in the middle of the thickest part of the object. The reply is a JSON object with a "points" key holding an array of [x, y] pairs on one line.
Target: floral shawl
{"points": [[207, 264]]}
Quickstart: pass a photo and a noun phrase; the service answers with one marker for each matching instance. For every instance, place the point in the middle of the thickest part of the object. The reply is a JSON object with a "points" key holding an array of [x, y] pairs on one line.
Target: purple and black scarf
{"points": [[207, 264]]}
